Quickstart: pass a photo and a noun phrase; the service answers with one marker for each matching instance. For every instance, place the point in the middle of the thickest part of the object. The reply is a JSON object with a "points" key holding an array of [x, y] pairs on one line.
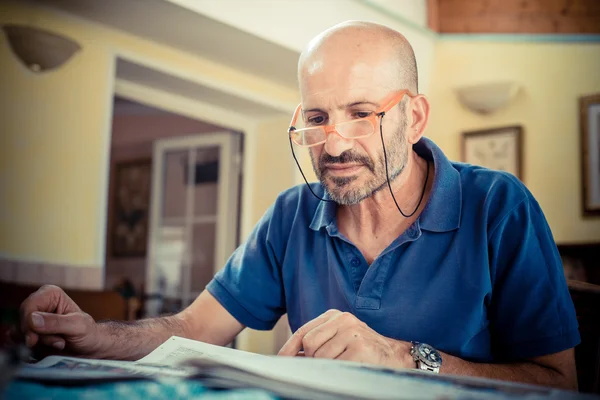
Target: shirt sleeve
{"points": [[531, 312], [250, 285]]}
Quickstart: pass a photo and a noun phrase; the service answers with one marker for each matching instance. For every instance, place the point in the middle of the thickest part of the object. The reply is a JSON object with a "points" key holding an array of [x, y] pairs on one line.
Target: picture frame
{"points": [[589, 121], [131, 208], [495, 148]]}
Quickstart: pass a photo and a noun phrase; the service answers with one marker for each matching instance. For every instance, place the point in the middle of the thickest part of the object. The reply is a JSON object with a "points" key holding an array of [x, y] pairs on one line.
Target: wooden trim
{"points": [[433, 15], [557, 16], [584, 103]]}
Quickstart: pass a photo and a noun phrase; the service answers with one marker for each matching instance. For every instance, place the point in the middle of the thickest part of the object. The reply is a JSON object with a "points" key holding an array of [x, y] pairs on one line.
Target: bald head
{"points": [[350, 52]]}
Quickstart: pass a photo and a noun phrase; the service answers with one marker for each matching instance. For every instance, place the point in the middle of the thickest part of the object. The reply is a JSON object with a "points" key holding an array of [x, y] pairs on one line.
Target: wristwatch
{"points": [[426, 357]]}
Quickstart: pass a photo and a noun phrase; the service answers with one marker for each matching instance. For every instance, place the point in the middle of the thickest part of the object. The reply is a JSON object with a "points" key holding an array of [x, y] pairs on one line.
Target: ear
{"points": [[418, 115]]}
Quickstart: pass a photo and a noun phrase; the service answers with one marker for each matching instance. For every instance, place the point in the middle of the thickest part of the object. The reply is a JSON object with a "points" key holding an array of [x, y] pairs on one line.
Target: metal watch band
{"points": [[426, 367], [421, 364]]}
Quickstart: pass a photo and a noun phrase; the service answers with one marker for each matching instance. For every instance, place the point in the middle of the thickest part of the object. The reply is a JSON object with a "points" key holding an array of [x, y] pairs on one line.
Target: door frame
{"points": [[228, 118], [227, 200]]}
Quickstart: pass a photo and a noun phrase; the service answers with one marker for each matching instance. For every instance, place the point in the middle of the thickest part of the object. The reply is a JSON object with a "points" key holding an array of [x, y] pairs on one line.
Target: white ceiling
{"points": [[166, 23], [122, 106], [151, 78]]}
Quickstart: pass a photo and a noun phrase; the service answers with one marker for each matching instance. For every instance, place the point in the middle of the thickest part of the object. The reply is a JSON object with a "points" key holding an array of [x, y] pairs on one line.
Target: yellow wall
{"points": [[51, 151], [54, 135], [552, 77], [273, 174], [274, 169]]}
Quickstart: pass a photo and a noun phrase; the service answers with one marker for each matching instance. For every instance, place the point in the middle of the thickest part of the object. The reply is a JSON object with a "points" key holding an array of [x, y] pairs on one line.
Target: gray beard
{"points": [[336, 187]]}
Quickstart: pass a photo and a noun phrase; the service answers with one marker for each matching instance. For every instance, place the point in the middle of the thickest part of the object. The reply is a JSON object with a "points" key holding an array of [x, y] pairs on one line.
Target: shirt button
{"points": [[355, 262]]}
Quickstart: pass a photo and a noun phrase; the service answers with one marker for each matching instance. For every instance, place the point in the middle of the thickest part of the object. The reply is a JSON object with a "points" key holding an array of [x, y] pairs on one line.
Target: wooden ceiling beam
{"points": [[515, 16]]}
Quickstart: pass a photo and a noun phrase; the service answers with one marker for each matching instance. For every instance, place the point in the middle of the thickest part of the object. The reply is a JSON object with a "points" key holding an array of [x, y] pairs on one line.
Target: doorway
{"points": [[157, 84], [137, 131], [194, 216]]}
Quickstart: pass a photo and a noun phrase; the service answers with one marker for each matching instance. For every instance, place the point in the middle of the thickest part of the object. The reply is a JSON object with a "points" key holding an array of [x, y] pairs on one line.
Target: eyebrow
{"points": [[348, 105]]}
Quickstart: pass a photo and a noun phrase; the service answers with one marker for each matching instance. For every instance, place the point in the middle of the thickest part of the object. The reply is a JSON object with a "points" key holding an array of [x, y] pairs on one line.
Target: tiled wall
{"points": [[39, 273]]}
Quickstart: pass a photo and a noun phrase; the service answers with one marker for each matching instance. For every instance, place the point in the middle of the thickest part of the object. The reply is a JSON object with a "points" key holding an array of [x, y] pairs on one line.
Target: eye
{"points": [[316, 120], [362, 114]]}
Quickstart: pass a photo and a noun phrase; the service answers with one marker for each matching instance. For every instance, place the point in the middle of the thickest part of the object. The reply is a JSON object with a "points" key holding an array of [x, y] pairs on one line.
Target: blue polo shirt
{"points": [[477, 275]]}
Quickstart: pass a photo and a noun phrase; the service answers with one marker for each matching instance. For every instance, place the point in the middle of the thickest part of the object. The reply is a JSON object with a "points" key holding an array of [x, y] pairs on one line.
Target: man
{"points": [[399, 257]]}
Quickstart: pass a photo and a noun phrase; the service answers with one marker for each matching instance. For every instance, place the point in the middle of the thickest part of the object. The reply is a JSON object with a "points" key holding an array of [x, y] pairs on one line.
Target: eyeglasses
{"points": [[354, 129]]}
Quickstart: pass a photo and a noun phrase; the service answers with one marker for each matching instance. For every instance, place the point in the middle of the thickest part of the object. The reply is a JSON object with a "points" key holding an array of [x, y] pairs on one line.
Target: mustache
{"points": [[345, 158]]}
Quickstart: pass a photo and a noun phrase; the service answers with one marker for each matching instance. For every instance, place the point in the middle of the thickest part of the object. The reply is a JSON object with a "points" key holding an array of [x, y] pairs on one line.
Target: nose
{"points": [[335, 144]]}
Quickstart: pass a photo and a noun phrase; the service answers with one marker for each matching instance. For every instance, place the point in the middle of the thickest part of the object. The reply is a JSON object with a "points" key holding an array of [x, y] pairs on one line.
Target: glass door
{"points": [[194, 209]]}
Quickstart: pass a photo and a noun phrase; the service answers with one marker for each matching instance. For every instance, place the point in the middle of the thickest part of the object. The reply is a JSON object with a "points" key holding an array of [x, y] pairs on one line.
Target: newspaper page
{"points": [[289, 377], [74, 370], [177, 350], [309, 378], [164, 362]]}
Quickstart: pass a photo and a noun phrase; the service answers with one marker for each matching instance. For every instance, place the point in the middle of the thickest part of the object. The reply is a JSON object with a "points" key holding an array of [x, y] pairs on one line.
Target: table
{"points": [[143, 390]]}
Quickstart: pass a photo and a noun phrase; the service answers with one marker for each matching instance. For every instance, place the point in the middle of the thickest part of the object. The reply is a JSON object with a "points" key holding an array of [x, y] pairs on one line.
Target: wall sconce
{"points": [[39, 50], [487, 98]]}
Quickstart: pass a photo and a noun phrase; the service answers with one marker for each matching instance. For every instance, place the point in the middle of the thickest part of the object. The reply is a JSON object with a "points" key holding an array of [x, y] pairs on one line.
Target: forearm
{"points": [[525, 372], [132, 340]]}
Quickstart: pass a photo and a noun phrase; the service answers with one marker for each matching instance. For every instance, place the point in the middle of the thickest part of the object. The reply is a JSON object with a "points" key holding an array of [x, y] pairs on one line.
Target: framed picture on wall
{"points": [[589, 118], [497, 148], [131, 208]]}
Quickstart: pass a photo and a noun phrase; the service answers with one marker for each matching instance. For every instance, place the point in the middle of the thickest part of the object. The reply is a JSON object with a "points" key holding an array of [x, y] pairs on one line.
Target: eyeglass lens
{"points": [[351, 129]]}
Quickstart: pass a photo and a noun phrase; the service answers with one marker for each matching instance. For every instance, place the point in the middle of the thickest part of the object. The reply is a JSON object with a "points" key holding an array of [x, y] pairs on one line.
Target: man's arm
{"points": [[51, 321], [557, 370], [342, 336]]}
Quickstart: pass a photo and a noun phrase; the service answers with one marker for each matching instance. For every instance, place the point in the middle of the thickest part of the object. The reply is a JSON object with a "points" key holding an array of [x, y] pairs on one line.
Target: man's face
{"points": [[352, 170]]}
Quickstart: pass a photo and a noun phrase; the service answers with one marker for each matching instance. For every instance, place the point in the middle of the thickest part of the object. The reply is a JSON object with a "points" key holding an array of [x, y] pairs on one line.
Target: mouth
{"points": [[343, 169]]}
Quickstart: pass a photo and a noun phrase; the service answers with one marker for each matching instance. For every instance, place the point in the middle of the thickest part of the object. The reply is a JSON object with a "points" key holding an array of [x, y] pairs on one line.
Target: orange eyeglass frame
{"points": [[390, 102]]}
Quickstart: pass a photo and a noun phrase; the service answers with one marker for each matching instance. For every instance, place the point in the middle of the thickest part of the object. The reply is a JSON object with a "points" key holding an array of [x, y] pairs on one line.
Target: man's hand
{"points": [[51, 322], [342, 336]]}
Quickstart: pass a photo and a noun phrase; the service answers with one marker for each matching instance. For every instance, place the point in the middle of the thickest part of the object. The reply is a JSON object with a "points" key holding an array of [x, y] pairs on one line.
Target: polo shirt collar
{"points": [[324, 214], [443, 210]]}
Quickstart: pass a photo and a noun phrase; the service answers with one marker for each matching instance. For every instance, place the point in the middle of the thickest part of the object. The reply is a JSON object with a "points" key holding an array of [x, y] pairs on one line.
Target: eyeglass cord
{"points": [[387, 175], [300, 169]]}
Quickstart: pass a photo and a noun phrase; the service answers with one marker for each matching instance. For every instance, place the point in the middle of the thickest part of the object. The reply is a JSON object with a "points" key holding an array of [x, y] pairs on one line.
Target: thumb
{"points": [[68, 324]]}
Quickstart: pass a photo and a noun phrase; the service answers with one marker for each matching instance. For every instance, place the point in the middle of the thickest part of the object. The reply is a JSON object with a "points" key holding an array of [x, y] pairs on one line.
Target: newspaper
{"points": [[287, 377], [310, 378], [73, 371]]}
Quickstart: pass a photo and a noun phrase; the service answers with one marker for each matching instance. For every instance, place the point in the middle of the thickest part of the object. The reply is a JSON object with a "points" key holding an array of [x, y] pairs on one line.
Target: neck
{"points": [[378, 213]]}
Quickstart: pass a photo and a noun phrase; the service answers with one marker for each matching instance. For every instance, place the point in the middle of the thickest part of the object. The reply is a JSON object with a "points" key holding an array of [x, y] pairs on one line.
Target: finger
{"points": [[319, 336], [294, 343], [333, 348], [31, 339], [48, 298], [44, 299], [47, 323], [343, 324], [54, 341]]}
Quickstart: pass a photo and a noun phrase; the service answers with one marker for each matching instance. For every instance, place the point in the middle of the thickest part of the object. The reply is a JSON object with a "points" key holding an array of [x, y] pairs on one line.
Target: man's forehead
{"points": [[352, 79], [337, 96]]}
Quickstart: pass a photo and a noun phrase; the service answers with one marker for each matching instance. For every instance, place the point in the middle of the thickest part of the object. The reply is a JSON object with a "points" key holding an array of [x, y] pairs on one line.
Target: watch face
{"points": [[429, 355]]}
